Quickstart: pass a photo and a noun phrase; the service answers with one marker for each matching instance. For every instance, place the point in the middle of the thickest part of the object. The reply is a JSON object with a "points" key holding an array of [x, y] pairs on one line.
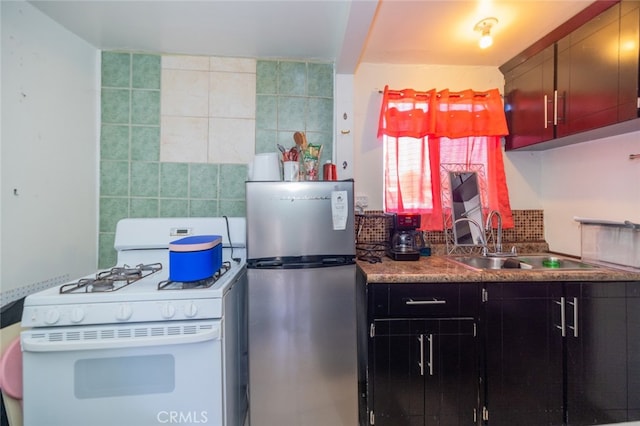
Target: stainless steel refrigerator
{"points": [[302, 304]]}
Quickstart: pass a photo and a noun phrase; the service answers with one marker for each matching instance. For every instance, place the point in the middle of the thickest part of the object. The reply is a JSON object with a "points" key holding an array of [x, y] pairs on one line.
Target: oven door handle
{"points": [[48, 342]]}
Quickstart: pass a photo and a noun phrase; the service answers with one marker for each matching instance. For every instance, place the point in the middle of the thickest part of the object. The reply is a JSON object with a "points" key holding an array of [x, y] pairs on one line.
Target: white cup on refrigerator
{"points": [[291, 171], [265, 167]]}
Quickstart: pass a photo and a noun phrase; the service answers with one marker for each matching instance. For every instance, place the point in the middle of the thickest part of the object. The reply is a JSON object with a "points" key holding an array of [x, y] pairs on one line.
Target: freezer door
{"points": [[303, 347], [296, 218]]}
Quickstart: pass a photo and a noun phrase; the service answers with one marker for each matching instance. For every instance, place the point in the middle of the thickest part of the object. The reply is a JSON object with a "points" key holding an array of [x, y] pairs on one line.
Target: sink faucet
{"points": [[497, 243]]}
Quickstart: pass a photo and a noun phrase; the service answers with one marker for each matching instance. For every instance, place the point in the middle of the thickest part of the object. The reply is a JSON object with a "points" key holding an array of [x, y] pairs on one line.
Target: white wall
{"points": [[593, 179], [522, 170], [50, 107]]}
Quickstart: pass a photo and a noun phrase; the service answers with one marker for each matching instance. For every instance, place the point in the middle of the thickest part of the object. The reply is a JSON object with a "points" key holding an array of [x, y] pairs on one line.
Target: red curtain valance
{"points": [[409, 113], [422, 130]]}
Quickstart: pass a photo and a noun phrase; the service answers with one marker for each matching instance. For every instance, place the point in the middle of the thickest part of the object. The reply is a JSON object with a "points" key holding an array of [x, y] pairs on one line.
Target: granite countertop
{"points": [[439, 269]]}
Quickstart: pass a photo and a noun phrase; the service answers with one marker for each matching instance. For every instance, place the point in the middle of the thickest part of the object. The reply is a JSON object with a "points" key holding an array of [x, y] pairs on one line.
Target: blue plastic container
{"points": [[195, 258]]}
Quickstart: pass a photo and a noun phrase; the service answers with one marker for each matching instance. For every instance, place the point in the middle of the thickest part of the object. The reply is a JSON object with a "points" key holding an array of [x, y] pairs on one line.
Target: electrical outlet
{"points": [[362, 200]]}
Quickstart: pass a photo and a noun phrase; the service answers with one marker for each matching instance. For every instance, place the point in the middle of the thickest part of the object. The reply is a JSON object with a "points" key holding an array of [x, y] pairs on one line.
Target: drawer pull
{"points": [[426, 302]]}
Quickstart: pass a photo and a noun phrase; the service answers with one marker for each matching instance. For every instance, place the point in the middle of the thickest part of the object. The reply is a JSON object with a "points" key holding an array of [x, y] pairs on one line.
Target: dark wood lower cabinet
{"points": [[523, 354], [633, 350], [596, 348], [423, 358], [425, 372], [533, 353], [561, 353]]}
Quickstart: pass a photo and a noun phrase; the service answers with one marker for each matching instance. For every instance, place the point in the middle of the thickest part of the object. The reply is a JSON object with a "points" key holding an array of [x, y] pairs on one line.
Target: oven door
{"points": [[135, 374]]}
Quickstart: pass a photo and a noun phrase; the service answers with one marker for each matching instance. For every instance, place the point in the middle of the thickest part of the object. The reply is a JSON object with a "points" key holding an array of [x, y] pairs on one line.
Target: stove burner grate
{"points": [[204, 283], [111, 280]]}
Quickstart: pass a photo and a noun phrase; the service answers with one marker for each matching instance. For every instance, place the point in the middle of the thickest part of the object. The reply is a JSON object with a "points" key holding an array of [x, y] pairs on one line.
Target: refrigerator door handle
{"points": [[267, 264], [336, 260], [300, 262]]}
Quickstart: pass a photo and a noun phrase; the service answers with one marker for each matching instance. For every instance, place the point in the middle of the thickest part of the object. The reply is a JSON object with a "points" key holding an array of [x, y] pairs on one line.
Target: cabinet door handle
{"points": [[563, 321], [430, 354], [434, 301], [555, 107], [575, 316], [546, 115], [421, 362], [430, 363]]}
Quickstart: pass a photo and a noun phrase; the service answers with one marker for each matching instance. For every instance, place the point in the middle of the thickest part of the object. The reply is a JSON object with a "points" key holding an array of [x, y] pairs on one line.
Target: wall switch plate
{"points": [[362, 200]]}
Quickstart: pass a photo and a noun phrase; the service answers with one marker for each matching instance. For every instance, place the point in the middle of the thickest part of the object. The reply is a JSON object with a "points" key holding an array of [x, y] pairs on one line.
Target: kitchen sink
{"points": [[526, 262]]}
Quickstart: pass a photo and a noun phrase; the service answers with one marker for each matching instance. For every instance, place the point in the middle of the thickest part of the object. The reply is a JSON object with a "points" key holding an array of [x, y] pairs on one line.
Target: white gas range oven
{"points": [[128, 347]]}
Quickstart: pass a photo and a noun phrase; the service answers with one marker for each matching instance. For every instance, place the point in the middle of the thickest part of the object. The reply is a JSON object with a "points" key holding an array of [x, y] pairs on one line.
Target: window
{"points": [[422, 130], [407, 175]]}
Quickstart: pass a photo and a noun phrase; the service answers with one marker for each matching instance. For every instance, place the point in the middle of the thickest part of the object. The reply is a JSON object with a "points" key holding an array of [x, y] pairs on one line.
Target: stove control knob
{"points": [[191, 310], [124, 312], [77, 315], [167, 311], [52, 316]]}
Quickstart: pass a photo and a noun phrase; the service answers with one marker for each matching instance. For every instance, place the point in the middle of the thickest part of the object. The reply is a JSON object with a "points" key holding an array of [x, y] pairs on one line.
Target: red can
{"points": [[329, 171]]}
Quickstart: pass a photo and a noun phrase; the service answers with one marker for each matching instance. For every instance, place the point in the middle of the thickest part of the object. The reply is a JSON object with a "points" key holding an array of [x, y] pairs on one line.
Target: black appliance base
{"points": [[403, 255]]}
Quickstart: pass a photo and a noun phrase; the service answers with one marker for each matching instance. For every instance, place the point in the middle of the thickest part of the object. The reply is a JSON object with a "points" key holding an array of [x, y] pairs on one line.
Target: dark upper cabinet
{"points": [[585, 80], [587, 75], [629, 71], [529, 98]]}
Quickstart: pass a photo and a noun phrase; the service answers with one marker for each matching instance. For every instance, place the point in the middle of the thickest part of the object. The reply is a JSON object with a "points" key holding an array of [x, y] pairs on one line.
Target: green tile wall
{"points": [[291, 96], [294, 96]]}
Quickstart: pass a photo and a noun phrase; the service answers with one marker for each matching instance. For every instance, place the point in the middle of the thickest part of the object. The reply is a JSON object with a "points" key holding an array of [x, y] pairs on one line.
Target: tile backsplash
{"points": [[177, 132], [373, 229]]}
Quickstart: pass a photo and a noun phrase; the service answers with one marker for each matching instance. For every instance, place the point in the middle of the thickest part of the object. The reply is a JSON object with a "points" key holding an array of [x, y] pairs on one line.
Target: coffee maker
{"points": [[406, 240]]}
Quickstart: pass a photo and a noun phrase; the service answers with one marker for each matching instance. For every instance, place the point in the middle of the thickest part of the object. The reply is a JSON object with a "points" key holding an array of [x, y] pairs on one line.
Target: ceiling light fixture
{"points": [[484, 27]]}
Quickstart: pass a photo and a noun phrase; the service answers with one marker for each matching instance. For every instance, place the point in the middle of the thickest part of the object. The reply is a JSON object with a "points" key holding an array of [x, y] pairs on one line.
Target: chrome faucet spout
{"points": [[489, 229]]}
